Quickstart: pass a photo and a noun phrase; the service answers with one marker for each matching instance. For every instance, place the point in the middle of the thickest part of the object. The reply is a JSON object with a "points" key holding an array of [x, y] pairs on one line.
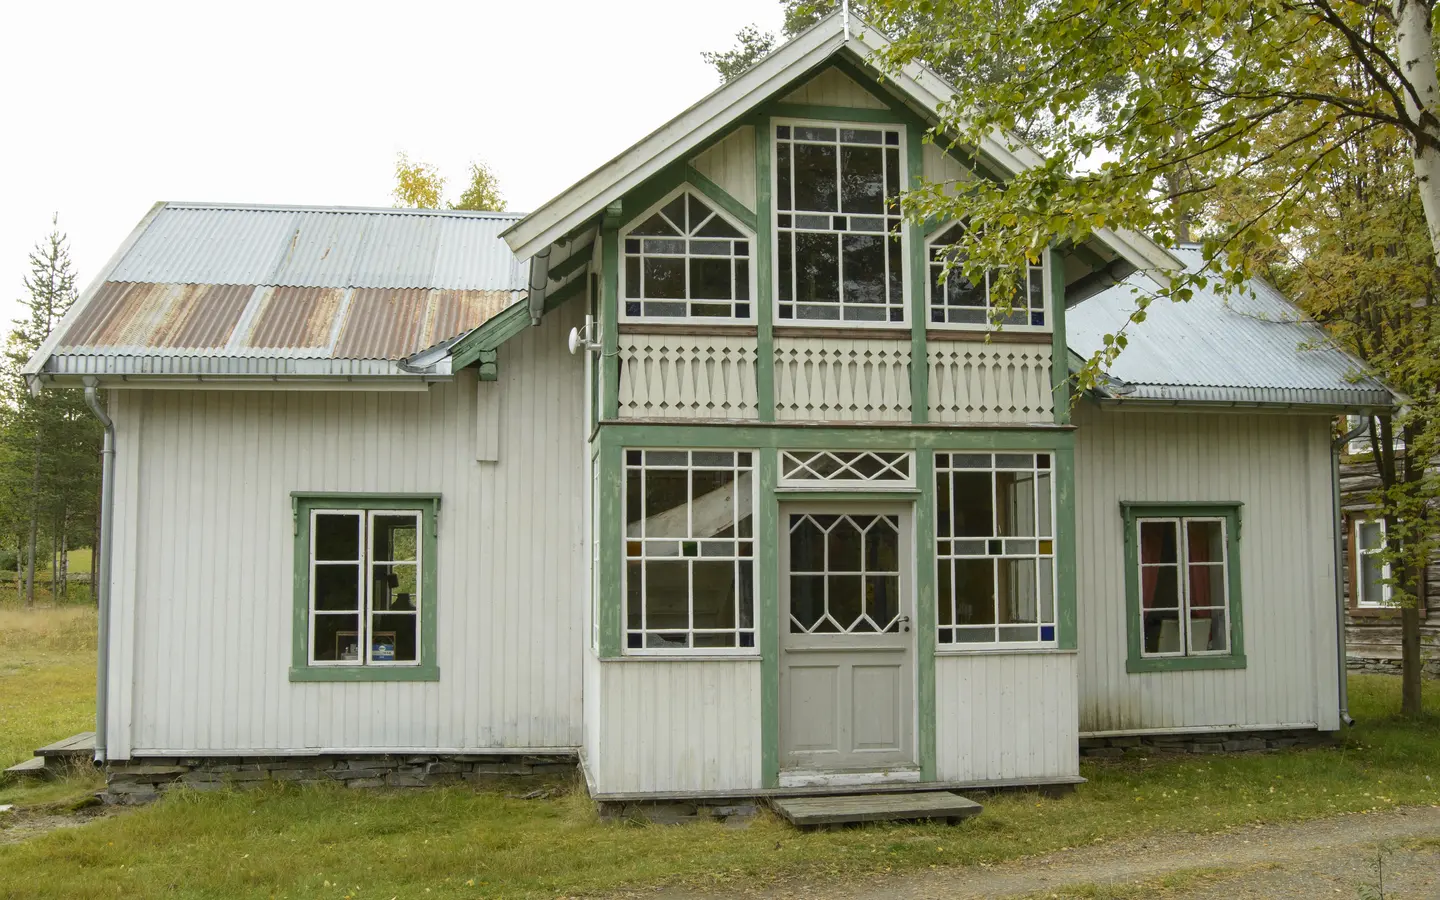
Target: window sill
{"points": [[683, 657], [949, 650], [1183, 664], [1011, 334], [363, 673]]}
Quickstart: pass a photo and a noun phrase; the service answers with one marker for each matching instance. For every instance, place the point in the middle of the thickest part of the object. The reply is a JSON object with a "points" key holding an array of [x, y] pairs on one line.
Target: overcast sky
{"points": [[109, 107]]}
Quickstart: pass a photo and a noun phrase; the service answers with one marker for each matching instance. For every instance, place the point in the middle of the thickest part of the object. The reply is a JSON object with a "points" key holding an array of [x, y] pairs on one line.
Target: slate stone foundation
{"points": [[1379, 666], [1201, 743], [142, 780]]}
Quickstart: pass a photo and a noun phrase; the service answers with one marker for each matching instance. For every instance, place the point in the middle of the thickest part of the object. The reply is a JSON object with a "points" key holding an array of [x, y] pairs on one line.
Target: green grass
{"points": [[454, 843]]}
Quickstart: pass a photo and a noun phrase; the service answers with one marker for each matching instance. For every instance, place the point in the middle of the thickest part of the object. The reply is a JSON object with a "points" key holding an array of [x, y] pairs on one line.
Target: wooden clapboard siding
{"points": [[833, 88], [679, 725], [1004, 716], [1278, 467], [842, 379], [204, 562], [975, 381], [942, 168], [731, 164], [687, 376]]}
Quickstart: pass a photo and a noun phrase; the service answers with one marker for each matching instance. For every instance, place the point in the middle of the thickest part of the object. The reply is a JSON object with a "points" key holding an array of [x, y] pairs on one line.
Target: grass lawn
{"points": [[293, 842]]}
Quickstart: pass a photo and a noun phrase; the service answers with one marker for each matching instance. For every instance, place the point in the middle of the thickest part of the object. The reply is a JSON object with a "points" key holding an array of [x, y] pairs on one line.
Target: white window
{"points": [[1372, 576], [686, 259], [365, 582], [1184, 584], [995, 551], [839, 236], [955, 300], [689, 551], [827, 469]]}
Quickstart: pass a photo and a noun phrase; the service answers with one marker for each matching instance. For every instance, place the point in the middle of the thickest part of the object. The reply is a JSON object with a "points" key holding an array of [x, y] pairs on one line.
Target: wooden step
{"points": [[77, 746], [815, 812], [33, 767]]}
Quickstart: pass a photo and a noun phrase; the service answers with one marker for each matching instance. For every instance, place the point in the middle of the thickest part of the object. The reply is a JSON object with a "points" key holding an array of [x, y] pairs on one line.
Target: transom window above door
{"points": [[844, 468], [686, 259], [839, 254]]}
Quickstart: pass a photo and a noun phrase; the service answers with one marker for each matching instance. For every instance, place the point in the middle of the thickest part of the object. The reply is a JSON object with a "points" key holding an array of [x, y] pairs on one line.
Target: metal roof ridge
{"points": [[354, 210]]}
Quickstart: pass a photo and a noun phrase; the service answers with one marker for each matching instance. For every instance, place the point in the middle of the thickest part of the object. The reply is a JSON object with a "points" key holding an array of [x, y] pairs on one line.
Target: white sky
{"points": [[108, 107]]}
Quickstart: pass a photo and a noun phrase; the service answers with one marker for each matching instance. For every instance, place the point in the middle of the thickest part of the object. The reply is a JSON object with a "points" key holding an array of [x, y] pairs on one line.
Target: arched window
{"points": [[956, 300], [684, 259]]}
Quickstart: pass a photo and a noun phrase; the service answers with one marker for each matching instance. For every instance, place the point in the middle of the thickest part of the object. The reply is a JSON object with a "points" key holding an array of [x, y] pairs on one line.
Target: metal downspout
{"points": [[1335, 447], [539, 284], [102, 590]]}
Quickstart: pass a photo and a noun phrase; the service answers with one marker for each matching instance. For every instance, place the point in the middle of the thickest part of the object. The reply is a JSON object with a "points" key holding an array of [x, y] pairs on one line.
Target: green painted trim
{"points": [[1059, 351], [919, 293], [612, 545], [926, 624], [639, 200], [555, 298], [724, 435], [302, 503], [1135, 662], [575, 260], [764, 272], [793, 495], [1066, 562], [836, 113], [610, 319], [870, 80], [723, 198], [489, 365], [767, 622], [514, 319]]}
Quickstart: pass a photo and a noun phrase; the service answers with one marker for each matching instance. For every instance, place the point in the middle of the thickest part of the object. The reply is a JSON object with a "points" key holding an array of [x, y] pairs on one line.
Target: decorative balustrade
{"points": [[971, 381], [667, 376], [842, 379]]}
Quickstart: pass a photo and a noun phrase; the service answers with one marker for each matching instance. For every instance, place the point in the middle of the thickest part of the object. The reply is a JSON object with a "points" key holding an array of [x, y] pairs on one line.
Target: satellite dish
{"points": [[576, 341]]}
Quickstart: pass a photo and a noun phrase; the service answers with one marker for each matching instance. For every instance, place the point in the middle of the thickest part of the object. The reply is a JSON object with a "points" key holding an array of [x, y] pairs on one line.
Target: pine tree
{"points": [[49, 441]]}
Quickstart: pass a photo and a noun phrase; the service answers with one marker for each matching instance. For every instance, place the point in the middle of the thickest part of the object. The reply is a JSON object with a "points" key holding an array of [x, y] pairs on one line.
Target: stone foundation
{"points": [[1371, 665], [1206, 742], [679, 812], [142, 780]]}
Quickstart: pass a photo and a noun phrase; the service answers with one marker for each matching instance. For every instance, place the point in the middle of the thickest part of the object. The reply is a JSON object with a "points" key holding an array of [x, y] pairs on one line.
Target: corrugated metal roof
{"points": [[1239, 347], [219, 290]]}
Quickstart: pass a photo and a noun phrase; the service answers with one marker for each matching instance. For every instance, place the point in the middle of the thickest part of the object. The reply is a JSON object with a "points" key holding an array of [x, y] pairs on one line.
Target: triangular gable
{"points": [[694, 130], [833, 88]]}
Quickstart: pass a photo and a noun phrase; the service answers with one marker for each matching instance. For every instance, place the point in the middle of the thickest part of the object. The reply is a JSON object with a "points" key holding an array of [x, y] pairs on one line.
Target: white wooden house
{"points": [[792, 514]]}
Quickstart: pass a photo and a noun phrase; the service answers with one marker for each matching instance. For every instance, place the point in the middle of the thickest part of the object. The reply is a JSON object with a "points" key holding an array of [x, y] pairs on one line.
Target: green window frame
{"points": [[1186, 659], [304, 507]]}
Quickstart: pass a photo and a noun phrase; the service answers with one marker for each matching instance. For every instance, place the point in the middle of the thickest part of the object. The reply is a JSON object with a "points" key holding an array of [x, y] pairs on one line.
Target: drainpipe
{"points": [[102, 590], [539, 283], [1335, 448]]}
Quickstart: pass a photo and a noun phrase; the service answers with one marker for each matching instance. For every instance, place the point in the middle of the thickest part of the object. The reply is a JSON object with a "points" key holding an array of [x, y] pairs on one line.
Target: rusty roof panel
{"points": [[295, 318], [204, 317], [383, 324]]}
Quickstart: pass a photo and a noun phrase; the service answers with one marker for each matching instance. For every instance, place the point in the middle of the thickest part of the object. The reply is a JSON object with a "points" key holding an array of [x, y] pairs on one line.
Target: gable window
{"points": [[839, 252], [689, 551], [686, 259], [995, 549], [365, 587], [1372, 574], [955, 300], [1183, 586]]}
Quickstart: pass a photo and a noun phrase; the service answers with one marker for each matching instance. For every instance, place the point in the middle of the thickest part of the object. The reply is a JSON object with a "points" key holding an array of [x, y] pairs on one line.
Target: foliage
{"points": [[751, 45], [418, 185], [483, 192]]}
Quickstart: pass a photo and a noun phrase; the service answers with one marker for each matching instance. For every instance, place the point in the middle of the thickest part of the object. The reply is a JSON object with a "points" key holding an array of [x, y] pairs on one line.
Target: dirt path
{"points": [[1327, 857]]}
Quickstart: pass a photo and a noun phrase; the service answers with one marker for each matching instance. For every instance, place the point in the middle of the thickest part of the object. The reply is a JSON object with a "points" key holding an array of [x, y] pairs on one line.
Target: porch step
{"points": [[77, 746], [815, 812], [34, 767]]}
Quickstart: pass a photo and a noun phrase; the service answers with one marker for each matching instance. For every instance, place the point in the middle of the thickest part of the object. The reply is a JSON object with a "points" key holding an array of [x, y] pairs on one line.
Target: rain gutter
{"points": [[102, 589]]}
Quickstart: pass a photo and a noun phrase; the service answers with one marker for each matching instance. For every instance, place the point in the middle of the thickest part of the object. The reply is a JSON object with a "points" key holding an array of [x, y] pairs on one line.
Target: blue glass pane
{"points": [[1047, 632]]}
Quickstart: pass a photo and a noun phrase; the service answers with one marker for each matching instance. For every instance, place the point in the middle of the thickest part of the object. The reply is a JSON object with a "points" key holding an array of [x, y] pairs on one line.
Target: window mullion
{"points": [[367, 582]]}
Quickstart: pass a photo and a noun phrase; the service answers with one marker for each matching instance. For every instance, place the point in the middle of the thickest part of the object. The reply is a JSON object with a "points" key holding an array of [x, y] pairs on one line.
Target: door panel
{"points": [[847, 673]]}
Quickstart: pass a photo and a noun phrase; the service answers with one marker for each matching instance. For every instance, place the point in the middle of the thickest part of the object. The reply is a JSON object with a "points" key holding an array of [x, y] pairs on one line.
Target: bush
{"points": [[8, 560]]}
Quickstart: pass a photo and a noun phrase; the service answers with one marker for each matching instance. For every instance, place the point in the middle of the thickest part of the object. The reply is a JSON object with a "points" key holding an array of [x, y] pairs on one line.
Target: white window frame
{"points": [[690, 652], [988, 326], [948, 554], [1385, 587], [903, 464], [1182, 567], [751, 266], [903, 325], [366, 611]]}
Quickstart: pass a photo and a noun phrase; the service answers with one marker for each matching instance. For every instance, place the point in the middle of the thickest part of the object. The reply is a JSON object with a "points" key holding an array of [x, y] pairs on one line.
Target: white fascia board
{"points": [[47, 347], [671, 142]]}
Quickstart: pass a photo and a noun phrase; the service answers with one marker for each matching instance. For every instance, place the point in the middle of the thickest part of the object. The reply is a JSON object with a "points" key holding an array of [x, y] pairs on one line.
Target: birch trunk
{"points": [[34, 529], [1417, 60]]}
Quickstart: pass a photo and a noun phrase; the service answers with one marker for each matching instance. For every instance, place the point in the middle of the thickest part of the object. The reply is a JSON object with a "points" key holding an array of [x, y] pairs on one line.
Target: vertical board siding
{"points": [[207, 534], [679, 726], [942, 168], [972, 381], [1005, 716], [841, 379], [833, 88], [1278, 467], [731, 164], [687, 377]]}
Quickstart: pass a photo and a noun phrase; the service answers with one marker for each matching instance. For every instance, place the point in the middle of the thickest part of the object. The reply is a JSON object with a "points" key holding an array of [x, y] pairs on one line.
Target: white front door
{"points": [[847, 643]]}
